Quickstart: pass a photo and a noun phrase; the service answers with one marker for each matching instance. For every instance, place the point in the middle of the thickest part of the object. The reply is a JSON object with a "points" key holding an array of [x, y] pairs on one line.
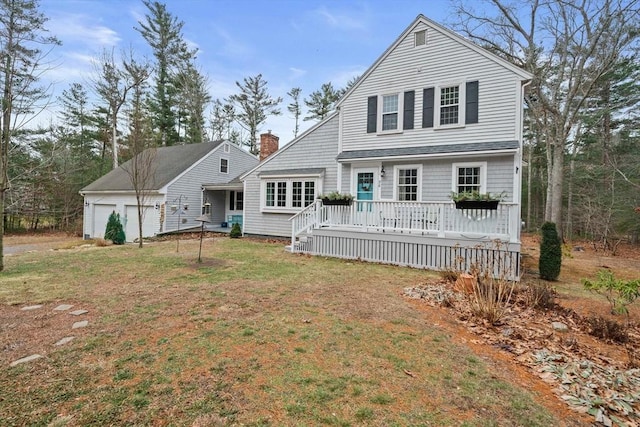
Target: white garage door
{"points": [[100, 218], [131, 226]]}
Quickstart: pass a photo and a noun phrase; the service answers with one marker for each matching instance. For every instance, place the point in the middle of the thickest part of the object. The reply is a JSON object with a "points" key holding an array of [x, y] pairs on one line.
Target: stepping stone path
{"points": [[63, 341], [25, 359], [81, 324]]}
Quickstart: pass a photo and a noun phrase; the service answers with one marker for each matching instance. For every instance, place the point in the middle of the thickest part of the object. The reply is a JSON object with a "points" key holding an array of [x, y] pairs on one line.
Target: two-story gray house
{"points": [[435, 114]]}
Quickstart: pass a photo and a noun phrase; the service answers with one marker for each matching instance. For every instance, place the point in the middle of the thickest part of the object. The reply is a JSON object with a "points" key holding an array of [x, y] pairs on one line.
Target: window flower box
{"points": [[337, 199], [475, 200]]}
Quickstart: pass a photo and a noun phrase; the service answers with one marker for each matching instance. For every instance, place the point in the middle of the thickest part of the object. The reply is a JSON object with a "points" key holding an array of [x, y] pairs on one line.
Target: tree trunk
{"points": [[114, 142], [555, 184]]}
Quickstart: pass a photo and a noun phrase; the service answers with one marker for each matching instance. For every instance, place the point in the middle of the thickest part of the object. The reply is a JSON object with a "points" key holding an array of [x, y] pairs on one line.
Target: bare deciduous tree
{"points": [[22, 38], [567, 46]]}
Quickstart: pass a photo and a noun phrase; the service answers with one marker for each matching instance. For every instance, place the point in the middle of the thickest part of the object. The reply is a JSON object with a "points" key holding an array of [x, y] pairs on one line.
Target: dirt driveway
{"points": [[20, 243]]}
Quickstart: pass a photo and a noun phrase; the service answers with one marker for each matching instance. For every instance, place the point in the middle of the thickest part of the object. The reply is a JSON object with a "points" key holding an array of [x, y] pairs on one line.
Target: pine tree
{"points": [[163, 32], [550, 252], [236, 231], [254, 105], [24, 44], [322, 102], [114, 230]]}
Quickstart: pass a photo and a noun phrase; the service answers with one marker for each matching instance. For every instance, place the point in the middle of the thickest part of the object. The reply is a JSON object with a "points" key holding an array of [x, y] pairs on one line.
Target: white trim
{"points": [[289, 145], [483, 174], [288, 207], [466, 154], [433, 25], [376, 180], [220, 165], [399, 112], [396, 169], [437, 104]]}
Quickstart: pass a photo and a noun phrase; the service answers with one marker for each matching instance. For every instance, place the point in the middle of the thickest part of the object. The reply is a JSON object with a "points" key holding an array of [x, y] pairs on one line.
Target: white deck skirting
{"points": [[422, 235]]}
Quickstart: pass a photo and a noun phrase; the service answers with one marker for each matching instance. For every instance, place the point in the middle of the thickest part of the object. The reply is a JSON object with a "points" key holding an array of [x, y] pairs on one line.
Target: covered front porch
{"points": [[432, 235]]}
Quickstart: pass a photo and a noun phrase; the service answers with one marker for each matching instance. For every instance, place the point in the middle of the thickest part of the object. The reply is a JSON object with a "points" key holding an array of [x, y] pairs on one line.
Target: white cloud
{"points": [[296, 73], [341, 21], [76, 29], [230, 46]]}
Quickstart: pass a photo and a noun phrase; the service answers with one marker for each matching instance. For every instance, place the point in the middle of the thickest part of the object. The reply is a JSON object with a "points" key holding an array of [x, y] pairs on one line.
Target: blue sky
{"points": [[293, 43]]}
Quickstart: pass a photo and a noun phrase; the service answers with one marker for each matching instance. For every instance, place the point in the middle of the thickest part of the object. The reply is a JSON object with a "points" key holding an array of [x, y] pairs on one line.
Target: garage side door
{"points": [[100, 218], [131, 226]]}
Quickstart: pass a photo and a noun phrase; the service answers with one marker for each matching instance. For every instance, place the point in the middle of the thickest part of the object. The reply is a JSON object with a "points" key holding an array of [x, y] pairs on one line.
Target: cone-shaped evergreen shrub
{"points": [[235, 231], [114, 230], [550, 252]]}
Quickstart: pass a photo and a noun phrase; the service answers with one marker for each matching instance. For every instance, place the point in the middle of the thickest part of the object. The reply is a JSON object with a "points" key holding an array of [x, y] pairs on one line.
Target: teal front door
{"points": [[364, 190]]}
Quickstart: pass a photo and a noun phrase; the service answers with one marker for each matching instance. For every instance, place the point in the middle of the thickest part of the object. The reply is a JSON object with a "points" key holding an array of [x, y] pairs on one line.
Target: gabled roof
{"points": [[170, 162], [524, 75], [290, 144]]}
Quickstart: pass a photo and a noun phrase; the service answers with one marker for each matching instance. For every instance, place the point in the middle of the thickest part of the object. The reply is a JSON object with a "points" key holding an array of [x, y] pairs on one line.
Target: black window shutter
{"points": [[407, 120], [372, 114], [427, 107], [471, 111], [232, 202]]}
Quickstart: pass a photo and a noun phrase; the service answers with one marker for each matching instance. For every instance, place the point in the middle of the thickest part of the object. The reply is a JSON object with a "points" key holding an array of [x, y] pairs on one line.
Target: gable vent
{"points": [[421, 38]]}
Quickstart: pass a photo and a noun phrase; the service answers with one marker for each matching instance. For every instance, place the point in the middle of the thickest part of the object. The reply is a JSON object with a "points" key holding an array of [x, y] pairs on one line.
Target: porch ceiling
{"points": [[496, 147]]}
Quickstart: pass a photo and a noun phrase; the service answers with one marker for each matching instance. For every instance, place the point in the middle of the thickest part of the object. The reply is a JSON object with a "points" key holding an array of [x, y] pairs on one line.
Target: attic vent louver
{"points": [[421, 38]]}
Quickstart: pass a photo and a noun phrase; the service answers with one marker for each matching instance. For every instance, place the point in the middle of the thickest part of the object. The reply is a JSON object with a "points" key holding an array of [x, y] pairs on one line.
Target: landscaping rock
{"points": [[559, 326], [65, 340], [63, 307], [25, 359], [79, 312], [31, 307], [81, 324]]}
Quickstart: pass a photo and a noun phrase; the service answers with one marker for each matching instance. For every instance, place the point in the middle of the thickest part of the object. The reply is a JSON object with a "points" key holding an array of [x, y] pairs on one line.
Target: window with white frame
{"points": [[449, 105], [408, 183], [224, 166], [470, 177], [291, 193], [236, 200], [270, 197], [390, 112], [303, 193], [420, 38]]}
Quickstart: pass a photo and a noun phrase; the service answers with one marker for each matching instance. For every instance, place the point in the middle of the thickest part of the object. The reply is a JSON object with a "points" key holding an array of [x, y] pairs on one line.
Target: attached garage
{"points": [[101, 214], [130, 222]]}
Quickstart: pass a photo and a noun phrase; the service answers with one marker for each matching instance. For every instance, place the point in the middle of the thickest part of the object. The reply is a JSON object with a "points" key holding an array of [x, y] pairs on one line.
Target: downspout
{"points": [[518, 170]]}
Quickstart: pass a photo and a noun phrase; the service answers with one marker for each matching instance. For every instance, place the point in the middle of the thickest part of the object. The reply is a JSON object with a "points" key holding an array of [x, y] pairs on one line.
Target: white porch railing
{"points": [[440, 219]]}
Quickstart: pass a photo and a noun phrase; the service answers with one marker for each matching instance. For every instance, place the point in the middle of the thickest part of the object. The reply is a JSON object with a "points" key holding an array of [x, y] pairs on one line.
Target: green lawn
{"points": [[252, 336]]}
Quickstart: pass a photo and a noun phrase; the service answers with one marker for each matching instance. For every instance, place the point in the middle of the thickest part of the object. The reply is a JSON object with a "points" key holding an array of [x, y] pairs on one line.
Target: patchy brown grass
{"points": [[252, 335]]}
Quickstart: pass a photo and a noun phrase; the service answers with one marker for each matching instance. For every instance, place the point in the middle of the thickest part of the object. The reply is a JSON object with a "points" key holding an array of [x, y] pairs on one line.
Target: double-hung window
{"points": [[470, 177], [407, 187], [224, 166], [390, 112], [449, 105]]}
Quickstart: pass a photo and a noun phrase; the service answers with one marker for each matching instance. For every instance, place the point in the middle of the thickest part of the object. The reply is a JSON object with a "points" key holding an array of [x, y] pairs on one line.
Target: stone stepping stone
{"points": [[63, 307], [81, 324], [25, 359], [79, 312], [31, 307], [65, 340]]}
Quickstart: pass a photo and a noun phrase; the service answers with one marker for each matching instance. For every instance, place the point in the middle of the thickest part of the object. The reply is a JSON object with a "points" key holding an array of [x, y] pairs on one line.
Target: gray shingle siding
{"points": [[315, 151]]}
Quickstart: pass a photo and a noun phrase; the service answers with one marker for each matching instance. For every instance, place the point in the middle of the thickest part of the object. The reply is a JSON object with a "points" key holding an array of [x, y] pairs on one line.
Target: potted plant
{"points": [[476, 200], [337, 198]]}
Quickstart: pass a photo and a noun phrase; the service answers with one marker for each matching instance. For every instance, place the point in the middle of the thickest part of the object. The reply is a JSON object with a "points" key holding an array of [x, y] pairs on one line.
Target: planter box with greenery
{"points": [[337, 199], [475, 200]]}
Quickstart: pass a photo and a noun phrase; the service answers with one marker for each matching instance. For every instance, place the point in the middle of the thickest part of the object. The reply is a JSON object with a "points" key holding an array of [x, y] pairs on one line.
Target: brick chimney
{"points": [[268, 144]]}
